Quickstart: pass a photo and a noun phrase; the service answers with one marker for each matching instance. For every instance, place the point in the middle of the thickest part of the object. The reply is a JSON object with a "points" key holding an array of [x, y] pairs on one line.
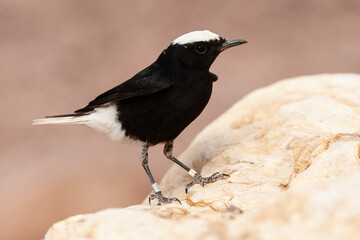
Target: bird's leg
{"points": [[198, 179], [157, 192]]}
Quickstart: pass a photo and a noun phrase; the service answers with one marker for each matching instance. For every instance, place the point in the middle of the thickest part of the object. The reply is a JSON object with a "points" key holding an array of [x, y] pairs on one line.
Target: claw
{"points": [[161, 199], [198, 179]]}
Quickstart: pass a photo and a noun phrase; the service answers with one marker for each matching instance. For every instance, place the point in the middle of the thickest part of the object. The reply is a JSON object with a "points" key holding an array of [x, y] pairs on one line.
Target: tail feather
{"points": [[62, 119]]}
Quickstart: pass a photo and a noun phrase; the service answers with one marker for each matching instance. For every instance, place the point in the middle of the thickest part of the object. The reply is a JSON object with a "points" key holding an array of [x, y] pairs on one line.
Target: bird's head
{"points": [[197, 50]]}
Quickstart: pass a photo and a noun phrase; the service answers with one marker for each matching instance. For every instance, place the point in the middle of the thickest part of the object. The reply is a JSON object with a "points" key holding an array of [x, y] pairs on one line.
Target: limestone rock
{"points": [[292, 150]]}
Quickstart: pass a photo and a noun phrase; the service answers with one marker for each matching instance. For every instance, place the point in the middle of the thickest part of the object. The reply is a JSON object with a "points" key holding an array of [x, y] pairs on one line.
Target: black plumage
{"points": [[159, 102]]}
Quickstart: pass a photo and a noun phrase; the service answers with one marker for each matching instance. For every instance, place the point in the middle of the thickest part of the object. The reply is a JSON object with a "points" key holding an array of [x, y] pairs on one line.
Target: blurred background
{"points": [[57, 55]]}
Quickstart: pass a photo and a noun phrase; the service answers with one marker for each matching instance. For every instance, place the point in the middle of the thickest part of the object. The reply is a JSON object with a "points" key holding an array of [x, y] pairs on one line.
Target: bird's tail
{"points": [[63, 119]]}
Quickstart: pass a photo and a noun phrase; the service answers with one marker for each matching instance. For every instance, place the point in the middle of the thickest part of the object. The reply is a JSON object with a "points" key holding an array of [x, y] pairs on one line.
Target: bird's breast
{"points": [[192, 96], [163, 116]]}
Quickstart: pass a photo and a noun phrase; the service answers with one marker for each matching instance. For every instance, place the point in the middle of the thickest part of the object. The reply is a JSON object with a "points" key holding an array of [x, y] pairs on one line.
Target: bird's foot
{"points": [[198, 179], [161, 199]]}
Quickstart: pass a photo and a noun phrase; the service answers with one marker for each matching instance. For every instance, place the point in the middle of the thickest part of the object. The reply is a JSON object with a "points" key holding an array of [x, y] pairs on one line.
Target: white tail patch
{"points": [[103, 119], [61, 120]]}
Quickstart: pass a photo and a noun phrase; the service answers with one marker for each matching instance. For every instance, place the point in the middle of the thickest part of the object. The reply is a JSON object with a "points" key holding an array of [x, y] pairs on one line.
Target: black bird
{"points": [[159, 102]]}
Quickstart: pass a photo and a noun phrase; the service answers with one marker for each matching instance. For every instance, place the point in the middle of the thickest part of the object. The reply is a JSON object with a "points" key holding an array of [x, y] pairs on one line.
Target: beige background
{"points": [[57, 55]]}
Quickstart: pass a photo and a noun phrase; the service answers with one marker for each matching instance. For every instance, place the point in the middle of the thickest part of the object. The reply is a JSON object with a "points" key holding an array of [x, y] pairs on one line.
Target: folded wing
{"points": [[149, 81]]}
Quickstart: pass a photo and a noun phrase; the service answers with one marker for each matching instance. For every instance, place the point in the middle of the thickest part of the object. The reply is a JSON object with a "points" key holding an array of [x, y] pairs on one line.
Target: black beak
{"points": [[232, 43]]}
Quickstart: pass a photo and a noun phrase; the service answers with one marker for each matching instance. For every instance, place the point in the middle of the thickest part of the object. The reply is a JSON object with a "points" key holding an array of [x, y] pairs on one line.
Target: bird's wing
{"points": [[149, 81]]}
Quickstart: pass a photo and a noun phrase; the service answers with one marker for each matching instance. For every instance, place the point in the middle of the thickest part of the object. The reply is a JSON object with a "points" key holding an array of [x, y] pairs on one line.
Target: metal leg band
{"points": [[192, 172], [155, 187]]}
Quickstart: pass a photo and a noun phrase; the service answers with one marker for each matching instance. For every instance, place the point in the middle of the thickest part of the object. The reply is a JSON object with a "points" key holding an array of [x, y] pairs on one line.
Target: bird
{"points": [[158, 103]]}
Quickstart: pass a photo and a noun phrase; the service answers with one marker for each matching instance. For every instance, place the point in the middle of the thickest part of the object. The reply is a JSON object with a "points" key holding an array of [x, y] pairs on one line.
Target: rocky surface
{"points": [[292, 150]]}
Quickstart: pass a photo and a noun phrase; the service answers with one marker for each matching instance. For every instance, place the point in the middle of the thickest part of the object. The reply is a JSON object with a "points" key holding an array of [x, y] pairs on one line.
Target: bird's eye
{"points": [[200, 49]]}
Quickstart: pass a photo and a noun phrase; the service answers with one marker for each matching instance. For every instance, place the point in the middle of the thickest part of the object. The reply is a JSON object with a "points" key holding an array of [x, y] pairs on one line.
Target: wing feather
{"points": [[149, 81]]}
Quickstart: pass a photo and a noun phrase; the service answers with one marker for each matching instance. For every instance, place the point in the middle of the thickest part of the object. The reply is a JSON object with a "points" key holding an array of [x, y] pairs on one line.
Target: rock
{"points": [[292, 150]]}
